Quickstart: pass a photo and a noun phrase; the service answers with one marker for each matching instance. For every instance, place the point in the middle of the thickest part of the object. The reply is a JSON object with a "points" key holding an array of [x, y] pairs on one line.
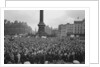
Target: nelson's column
{"points": [[41, 25]]}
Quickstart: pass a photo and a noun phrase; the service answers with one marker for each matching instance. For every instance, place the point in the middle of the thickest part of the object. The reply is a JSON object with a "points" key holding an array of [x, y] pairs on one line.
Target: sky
{"points": [[52, 18]]}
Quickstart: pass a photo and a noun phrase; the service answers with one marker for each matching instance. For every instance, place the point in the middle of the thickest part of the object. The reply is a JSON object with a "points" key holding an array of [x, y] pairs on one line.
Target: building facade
{"points": [[62, 30], [48, 30], [16, 27], [66, 29], [77, 28]]}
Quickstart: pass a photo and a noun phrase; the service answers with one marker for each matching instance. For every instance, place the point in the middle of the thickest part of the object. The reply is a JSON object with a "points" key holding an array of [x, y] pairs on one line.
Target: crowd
{"points": [[20, 50]]}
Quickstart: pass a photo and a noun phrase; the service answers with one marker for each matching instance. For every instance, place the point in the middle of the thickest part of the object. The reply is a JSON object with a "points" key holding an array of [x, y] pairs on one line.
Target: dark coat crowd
{"points": [[53, 50]]}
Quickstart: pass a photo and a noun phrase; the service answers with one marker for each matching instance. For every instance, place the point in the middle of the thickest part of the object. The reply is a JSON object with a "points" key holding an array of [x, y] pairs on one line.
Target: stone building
{"points": [[77, 28]]}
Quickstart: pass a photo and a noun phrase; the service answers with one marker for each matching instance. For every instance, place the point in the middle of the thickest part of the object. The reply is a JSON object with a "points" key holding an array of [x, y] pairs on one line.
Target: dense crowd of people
{"points": [[55, 50]]}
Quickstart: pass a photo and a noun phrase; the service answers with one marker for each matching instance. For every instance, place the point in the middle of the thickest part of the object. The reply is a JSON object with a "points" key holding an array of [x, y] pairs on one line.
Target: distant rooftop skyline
{"points": [[52, 18]]}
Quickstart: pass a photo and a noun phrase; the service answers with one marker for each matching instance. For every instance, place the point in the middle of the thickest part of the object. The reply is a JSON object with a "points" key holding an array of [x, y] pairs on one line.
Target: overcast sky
{"points": [[51, 17]]}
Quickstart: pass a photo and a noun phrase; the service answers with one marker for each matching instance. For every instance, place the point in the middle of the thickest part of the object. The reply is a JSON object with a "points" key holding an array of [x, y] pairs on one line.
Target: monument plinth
{"points": [[41, 25]]}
